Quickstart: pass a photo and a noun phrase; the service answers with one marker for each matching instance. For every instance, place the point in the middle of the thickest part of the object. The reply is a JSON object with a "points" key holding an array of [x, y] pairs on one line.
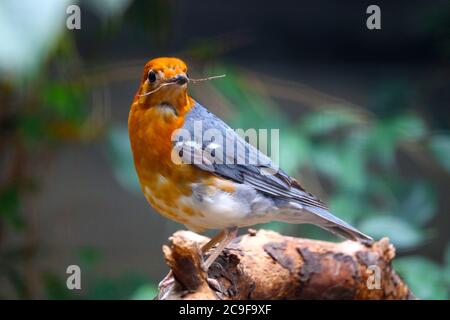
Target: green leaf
{"points": [[294, 151], [89, 256], [346, 206], [55, 287], [382, 144], [122, 287], [423, 276], [390, 95], [440, 148], [319, 123], [326, 160], [31, 126], [402, 234], [409, 127], [353, 175], [145, 292], [447, 265], [230, 86], [121, 159], [419, 206], [251, 107], [9, 207], [64, 102], [385, 187], [385, 136]]}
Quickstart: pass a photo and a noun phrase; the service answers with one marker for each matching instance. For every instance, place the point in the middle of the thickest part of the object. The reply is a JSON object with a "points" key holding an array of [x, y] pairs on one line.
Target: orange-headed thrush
{"points": [[243, 189]]}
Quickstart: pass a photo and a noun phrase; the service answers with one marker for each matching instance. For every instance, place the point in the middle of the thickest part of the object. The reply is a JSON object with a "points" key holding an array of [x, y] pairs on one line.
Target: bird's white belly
{"points": [[220, 209]]}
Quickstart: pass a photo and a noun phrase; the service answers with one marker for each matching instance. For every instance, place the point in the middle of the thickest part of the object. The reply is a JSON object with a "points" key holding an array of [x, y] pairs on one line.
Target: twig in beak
{"points": [[208, 78], [189, 80], [157, 89]]}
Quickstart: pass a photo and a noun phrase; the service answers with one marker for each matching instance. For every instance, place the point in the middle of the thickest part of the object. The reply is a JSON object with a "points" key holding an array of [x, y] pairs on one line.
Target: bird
{"points": [[208, 194]]}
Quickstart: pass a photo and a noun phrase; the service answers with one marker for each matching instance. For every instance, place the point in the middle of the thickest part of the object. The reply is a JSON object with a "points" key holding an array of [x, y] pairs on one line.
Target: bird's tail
{"points": [[324, 219], [337, 226]]}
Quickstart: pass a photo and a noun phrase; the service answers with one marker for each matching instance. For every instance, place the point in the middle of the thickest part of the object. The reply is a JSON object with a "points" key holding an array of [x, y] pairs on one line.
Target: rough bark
{"points": [[267, 265]]}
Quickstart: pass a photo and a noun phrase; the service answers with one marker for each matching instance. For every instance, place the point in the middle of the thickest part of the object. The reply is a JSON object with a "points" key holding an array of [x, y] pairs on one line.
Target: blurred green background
{"points": [[363, 118]]}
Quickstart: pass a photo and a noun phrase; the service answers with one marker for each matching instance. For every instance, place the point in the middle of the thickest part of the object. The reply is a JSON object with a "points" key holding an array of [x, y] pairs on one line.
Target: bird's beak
{"points": [[179, 79]]}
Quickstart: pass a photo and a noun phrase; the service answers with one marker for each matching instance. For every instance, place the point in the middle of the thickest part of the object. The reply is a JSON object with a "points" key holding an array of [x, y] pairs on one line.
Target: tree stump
{"points": [[267, 265]]}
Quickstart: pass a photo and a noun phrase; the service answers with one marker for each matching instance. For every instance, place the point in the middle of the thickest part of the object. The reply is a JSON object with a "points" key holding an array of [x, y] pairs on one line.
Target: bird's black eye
{"points": [[151, 76], [187, 75]]}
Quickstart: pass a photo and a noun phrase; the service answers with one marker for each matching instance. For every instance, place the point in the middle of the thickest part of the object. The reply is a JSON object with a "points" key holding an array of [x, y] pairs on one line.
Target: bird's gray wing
{"points": [[245, 164], [242, 163]]}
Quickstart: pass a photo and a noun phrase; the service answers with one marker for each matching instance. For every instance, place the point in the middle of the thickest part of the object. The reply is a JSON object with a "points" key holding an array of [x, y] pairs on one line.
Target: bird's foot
{"points": [[205, 264], [166, 285], [228, 235], [168, 280]]}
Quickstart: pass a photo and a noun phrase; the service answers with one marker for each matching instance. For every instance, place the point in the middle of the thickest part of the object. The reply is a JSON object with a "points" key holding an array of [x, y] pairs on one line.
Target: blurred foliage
{"points": [[366, 164], [10, 206], [440, 147], [145, 292], [427, 279], [121, 159], [44, 106], [23, 31], [126, 286]]}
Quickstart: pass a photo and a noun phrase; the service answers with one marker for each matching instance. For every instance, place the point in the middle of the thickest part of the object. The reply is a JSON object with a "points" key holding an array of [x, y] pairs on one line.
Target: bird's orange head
{"points": [[164, 81], [158, 109]]}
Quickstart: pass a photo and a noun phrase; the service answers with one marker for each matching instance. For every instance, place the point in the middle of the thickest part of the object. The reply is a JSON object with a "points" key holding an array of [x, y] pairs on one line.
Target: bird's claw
{"points": [[166, 282]]}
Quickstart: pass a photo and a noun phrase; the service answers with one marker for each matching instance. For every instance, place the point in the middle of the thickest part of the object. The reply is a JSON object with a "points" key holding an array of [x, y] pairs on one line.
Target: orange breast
{"points": [[163, 181]]}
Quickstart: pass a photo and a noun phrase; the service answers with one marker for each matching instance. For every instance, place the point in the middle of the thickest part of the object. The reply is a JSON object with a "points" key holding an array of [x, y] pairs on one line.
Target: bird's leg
{"points": [[229, 235], [212, 242], [167, 281]]}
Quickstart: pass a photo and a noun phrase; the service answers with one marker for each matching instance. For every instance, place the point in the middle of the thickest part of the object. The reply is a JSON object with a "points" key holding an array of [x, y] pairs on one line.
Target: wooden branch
{"points": [[267, 265]]}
